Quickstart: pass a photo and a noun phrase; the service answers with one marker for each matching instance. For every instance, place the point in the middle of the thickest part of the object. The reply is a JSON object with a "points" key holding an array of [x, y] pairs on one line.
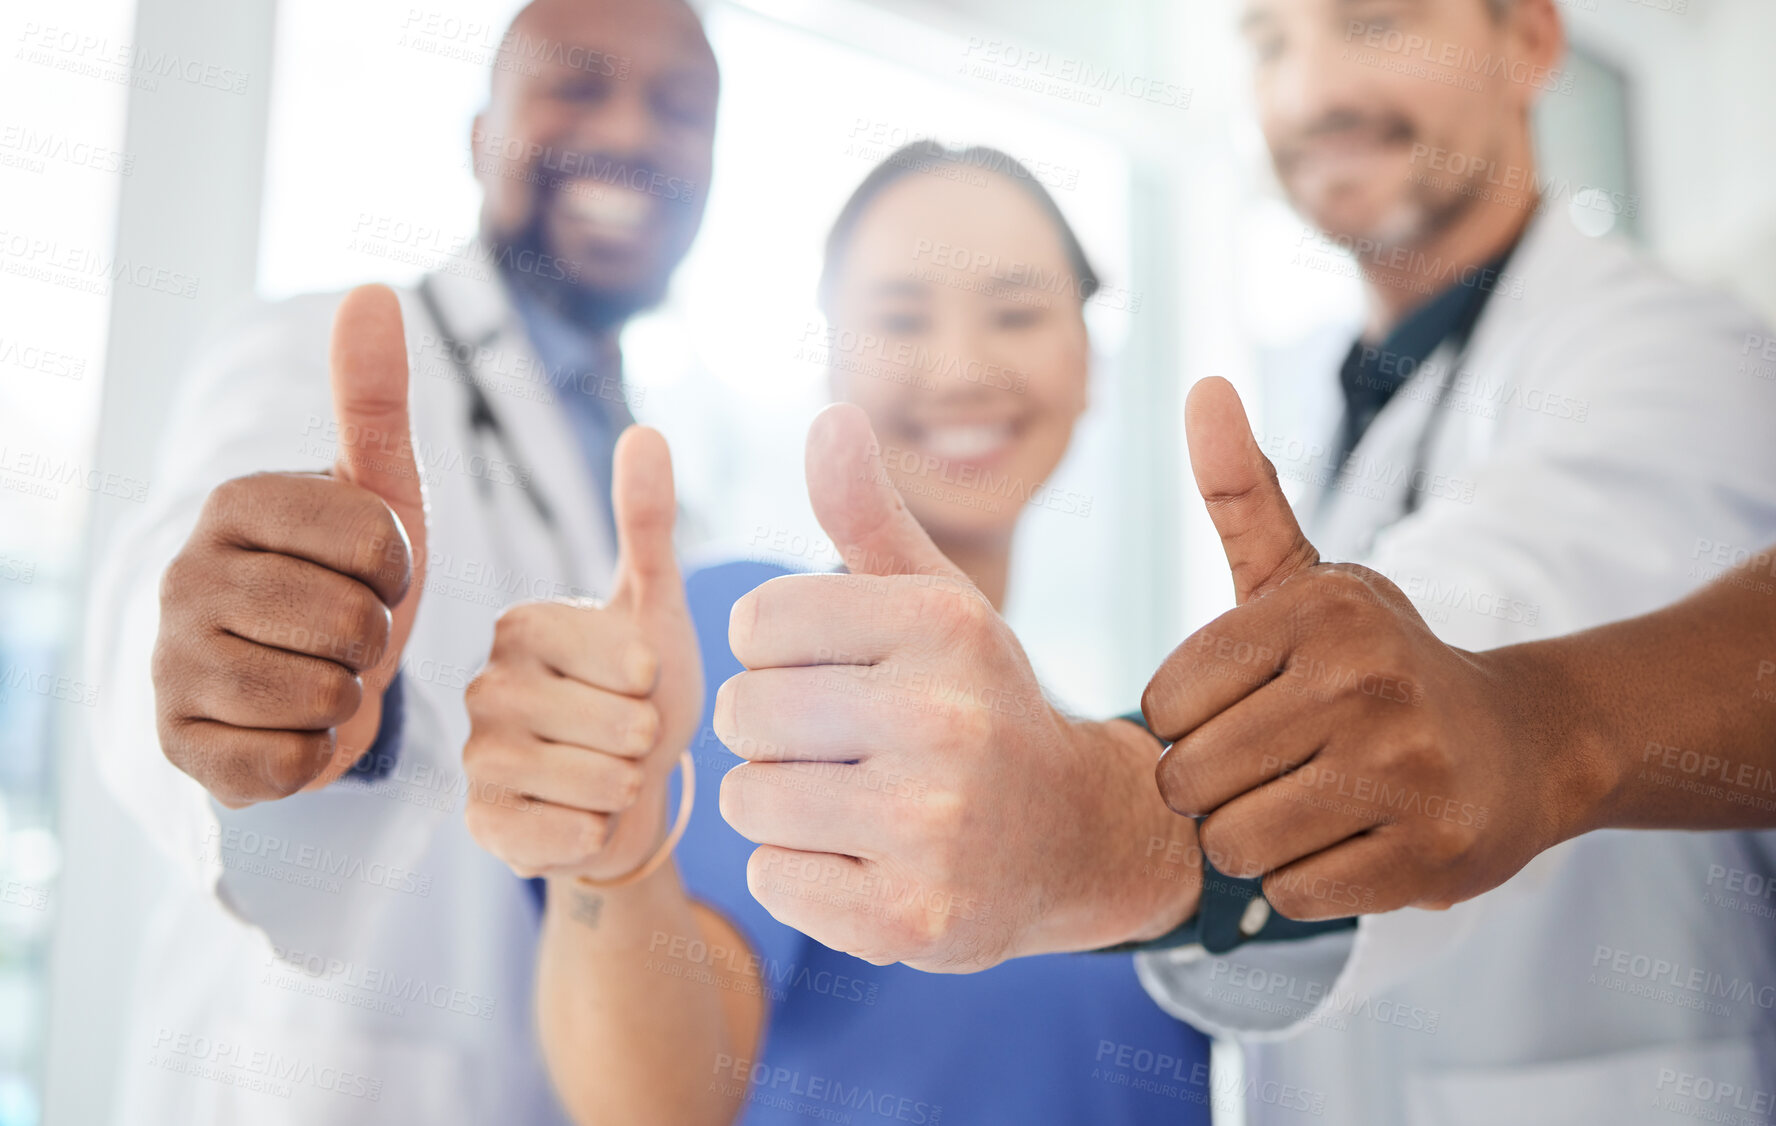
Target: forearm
{"points": [[632, 1028], [1676, 708], [1140, 871]]}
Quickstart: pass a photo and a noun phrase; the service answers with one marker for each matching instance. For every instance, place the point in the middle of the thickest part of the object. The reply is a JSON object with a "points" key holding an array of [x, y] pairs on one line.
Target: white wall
{"points": [[1705, 130]]}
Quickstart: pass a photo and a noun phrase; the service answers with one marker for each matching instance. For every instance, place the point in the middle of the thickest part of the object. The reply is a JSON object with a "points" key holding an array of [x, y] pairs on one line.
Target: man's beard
{"points": [[1421, 213], [1424, 215], [595, 308]]}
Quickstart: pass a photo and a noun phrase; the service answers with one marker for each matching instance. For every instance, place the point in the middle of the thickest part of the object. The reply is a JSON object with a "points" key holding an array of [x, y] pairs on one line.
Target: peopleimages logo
{"points": [[573, 164], [370, 987], [779, 1087], [1694, 981], [234, 842]]}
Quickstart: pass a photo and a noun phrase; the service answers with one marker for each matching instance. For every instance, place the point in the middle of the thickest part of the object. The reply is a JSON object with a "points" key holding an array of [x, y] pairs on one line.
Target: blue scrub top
{"points": [[1064, 1038]]}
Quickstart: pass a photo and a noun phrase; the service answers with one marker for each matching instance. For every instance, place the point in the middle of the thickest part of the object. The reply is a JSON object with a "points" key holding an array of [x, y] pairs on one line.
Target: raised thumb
{"points": [[646, 508], [857, 504], [368, 365], [1238, 483]]}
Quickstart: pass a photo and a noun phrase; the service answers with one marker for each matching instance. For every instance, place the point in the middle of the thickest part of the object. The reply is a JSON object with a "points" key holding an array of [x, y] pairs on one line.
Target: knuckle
{"points": [[942, 817], [1337, 598], [758, 878], [243, 502], [488, 697], [280, 766], [921, 933], [1287, 897], [1178, 786], [228, 500], [642, 721], [334, 694], [731, 802], [1160, 690], [743, 620], [477, 756], [492, 690], [592, 832], [1413, 757], [952, 614], [483, 819], [1343, 580], [624, 780], [503, 760], [967, 728], [1227, 846], [369, 525], [176, 581], [364, 619], [1445, 844], [521, 625], [724, 718]]}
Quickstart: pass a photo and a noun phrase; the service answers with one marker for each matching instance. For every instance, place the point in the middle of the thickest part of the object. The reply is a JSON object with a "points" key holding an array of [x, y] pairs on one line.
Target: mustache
{"points": [[1386, 128]]}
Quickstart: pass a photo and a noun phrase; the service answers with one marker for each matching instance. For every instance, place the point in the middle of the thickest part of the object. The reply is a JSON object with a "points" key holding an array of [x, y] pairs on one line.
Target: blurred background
{"points": [[140, 207]]}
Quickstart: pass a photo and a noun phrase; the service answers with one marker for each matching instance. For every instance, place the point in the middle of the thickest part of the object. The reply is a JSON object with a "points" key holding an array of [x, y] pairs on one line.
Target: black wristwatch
{"points": [[1230, 913]]}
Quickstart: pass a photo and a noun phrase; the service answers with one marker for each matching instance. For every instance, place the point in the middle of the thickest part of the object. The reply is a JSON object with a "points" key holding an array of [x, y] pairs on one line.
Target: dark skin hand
{"points": [[283, 618], [1324, 730], [1345, 754]]}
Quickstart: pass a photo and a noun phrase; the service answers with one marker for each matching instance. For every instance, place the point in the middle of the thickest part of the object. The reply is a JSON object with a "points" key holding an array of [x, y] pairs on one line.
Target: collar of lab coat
{"points": [[474, 300], [478, 310], [1553, 270]]}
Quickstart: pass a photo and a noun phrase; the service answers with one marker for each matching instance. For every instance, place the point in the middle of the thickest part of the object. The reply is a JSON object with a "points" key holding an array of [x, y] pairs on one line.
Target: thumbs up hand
{"points": [[915, 796], [582, 710], [283, 618], [1337, 747]]}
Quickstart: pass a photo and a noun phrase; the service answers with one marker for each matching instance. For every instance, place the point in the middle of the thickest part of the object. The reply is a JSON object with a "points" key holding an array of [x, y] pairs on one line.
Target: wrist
{"points": [[1537, 695], [1167, 873], [1141, 871]]}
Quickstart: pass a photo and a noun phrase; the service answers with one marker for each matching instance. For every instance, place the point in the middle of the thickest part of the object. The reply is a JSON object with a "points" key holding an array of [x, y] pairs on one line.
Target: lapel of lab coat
{"points": [[544, 453], [1436, 427]]}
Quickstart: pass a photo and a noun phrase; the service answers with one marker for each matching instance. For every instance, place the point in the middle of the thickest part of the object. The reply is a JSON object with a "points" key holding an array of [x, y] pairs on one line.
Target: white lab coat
{"points": [[1607, 434], [347, 955]]}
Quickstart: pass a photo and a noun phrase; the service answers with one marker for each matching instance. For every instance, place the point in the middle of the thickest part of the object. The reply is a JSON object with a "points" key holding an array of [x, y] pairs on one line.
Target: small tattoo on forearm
{"points": [[584, 907]]}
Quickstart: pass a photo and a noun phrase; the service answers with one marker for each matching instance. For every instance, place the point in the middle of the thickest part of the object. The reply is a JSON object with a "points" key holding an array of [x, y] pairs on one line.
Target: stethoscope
{"points": [[486, 428]]}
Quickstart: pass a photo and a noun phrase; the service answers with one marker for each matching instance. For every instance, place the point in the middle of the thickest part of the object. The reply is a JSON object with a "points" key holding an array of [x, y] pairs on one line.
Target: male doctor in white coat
{"points": [[317, 585], [1534, 432]]}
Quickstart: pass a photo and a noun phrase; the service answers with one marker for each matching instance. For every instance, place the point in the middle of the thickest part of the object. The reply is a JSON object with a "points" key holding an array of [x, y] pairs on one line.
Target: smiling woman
{"points": [[961, 289]]}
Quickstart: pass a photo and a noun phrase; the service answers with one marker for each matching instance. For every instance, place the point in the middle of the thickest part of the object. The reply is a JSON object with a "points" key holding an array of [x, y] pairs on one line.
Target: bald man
{"points": [[289, 629]]}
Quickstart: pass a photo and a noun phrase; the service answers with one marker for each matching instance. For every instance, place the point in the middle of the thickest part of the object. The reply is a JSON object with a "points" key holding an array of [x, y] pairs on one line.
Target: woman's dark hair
{"points": [[934, 158]]}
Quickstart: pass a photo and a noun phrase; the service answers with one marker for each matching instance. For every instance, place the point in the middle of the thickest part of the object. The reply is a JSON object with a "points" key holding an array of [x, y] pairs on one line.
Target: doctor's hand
{"points": [[582, 710], [1337, 747], [283, 618], [916, 797]]}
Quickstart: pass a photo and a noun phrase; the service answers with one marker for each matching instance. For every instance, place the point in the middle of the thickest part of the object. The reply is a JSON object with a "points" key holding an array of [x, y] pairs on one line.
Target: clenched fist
{"points": [[582, 710], [916, 797], [1337, 747], [283, 618]]}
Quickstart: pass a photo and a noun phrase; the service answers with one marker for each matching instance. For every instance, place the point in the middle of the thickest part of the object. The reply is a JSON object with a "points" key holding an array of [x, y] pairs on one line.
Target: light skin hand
{"points": [[576, 723], [284, 616], [1335, 745], [915, 797], [582, 710]]}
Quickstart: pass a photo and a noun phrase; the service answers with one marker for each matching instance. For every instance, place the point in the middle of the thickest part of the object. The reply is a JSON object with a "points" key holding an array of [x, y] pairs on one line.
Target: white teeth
{"points": [[605, 206], [964, 443]]}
